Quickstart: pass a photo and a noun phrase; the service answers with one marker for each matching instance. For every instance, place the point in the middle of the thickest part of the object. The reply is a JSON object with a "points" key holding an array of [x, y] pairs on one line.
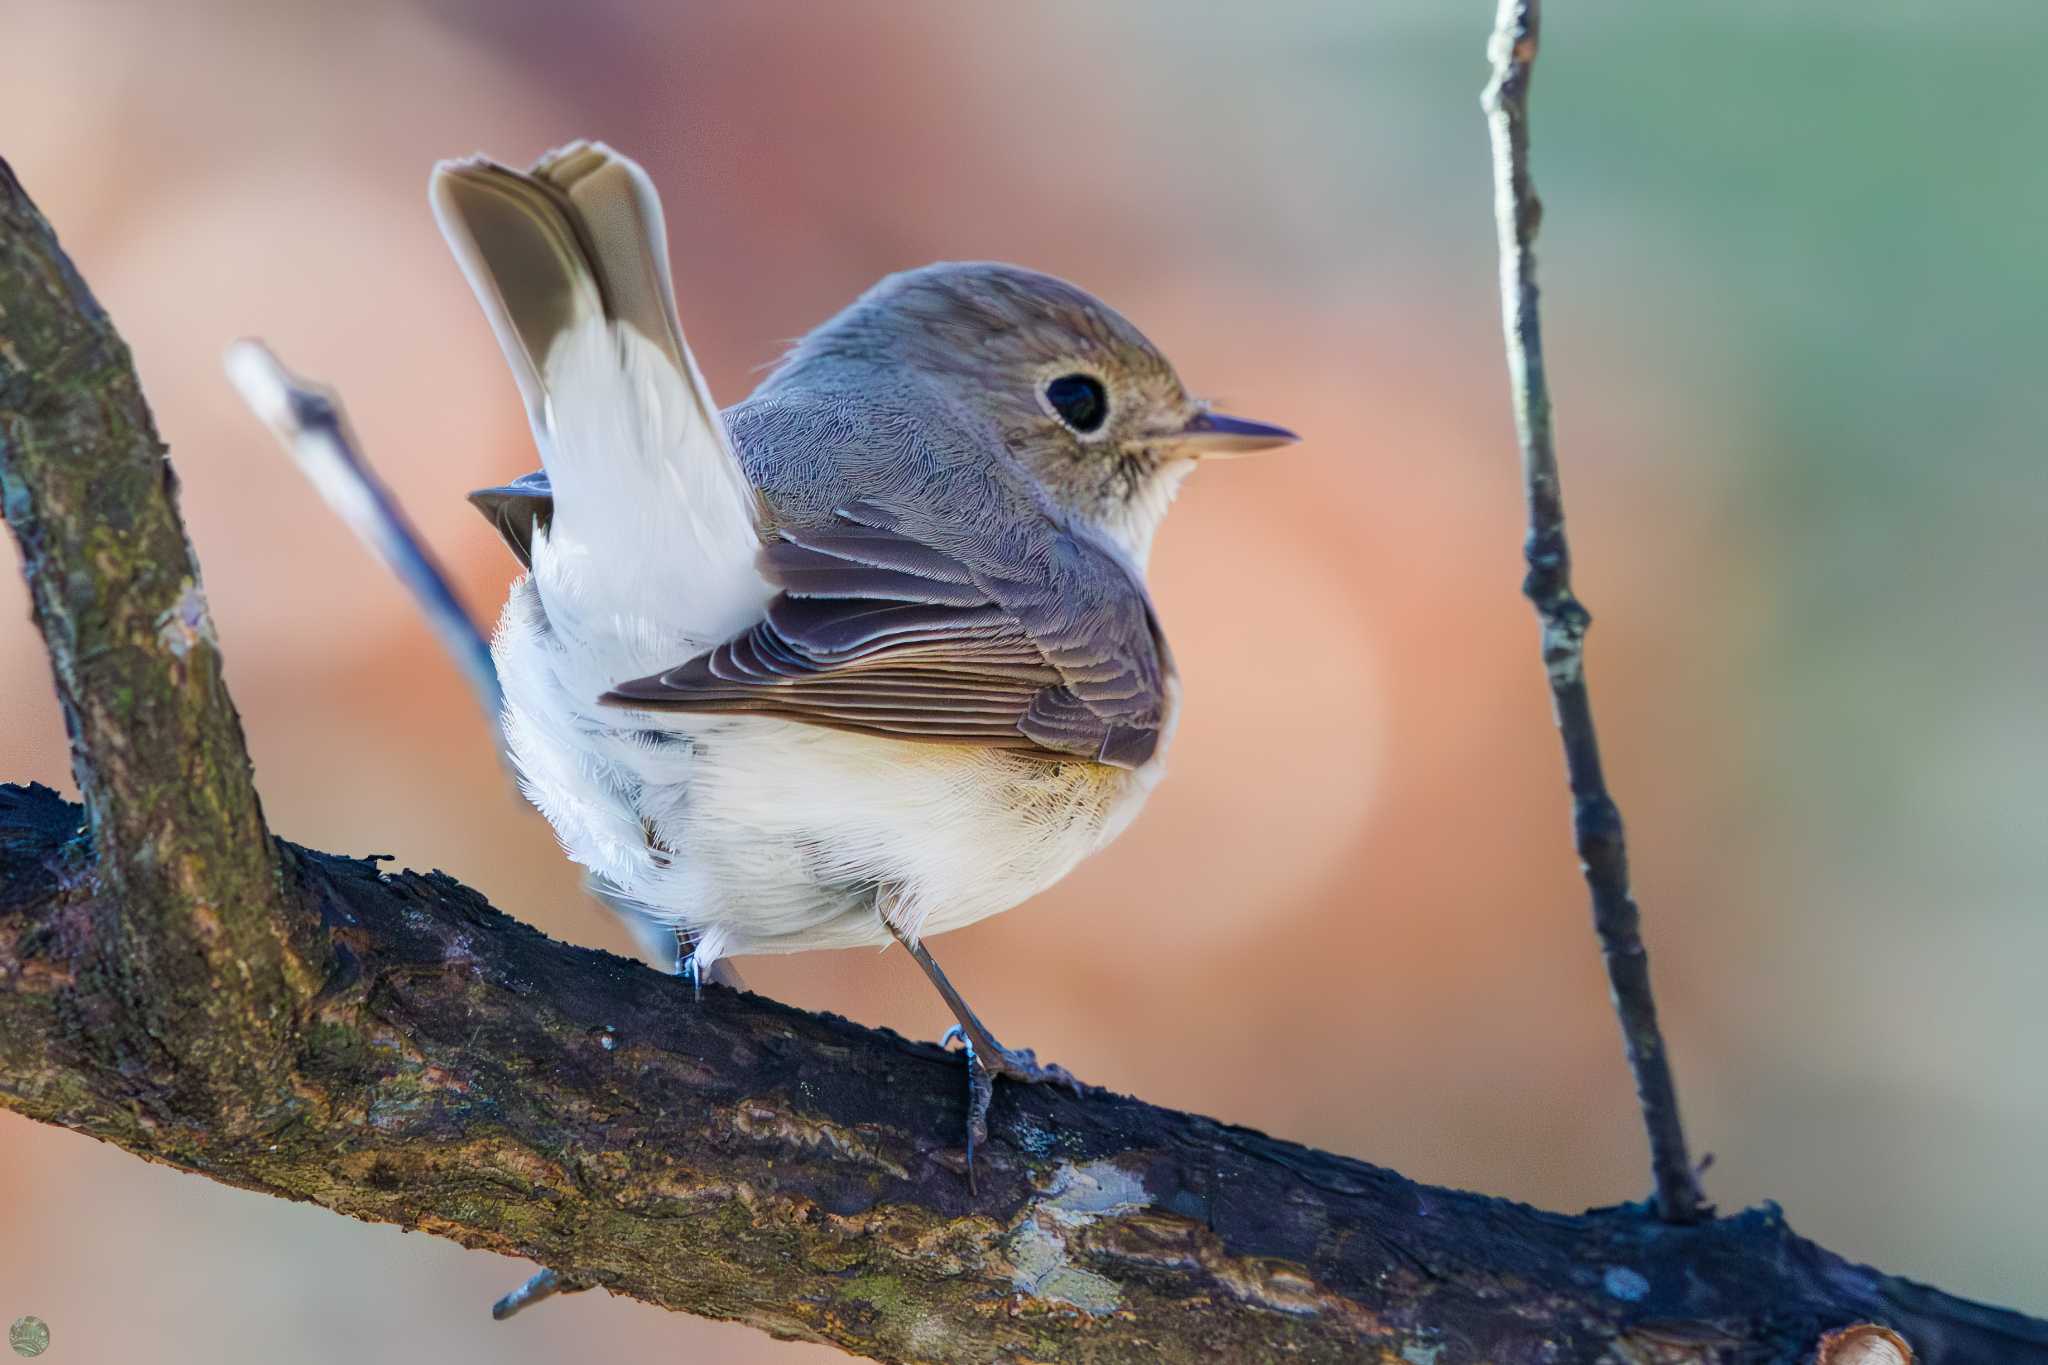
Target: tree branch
{"points": [[195, 962], [461, 1074], [390, 1047], [1596, 819]]}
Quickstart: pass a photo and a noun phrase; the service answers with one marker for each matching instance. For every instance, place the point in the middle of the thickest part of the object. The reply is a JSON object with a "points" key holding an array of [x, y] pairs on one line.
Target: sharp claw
{"points": [[1023, 1065], [1020, 1065], [981, 1090]]}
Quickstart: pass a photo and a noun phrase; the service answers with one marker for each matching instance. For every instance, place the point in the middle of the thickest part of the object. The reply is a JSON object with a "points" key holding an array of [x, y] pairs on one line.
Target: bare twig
{"points": [[540, 1286], [309, 423], [1596, 820]]}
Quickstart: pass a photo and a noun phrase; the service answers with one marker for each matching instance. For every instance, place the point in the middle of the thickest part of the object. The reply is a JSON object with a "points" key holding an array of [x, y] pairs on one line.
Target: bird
{"points": [[862, 658]]}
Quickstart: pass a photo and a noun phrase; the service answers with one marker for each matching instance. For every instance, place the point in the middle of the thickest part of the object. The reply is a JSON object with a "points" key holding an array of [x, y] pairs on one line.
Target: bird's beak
{"points": [[1211, 435]]}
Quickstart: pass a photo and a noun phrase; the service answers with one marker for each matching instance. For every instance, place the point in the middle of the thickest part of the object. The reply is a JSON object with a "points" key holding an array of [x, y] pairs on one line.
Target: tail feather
{"points": [[654, 523]]}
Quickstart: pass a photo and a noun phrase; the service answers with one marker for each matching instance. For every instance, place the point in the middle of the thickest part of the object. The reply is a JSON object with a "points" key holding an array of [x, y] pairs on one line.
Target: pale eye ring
{"points": [[1080, 400]]}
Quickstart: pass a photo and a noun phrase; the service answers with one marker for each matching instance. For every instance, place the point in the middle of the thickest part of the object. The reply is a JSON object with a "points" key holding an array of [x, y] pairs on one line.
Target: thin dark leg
{"points": [[986, 1058]]}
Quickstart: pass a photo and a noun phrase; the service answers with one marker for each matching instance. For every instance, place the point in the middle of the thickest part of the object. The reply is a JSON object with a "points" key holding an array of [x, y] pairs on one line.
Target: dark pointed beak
{"points": [[1213, 435]]}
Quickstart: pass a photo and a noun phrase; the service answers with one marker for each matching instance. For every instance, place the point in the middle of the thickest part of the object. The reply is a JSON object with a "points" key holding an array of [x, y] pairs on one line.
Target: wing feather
{"points": [[888, 627]]}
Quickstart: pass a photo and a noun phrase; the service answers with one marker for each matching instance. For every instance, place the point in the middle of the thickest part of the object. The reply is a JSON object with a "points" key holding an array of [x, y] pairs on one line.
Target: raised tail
{"points": [[653, 524]]}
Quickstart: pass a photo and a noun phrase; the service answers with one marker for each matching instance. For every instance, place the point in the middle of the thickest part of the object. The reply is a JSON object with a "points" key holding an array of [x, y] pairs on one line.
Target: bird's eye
{"points": [[1080, 400]]}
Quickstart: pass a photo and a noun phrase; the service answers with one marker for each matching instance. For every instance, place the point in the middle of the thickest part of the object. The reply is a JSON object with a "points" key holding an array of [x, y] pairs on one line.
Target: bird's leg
{"points": [[1019, 1064], [986, 1058]]}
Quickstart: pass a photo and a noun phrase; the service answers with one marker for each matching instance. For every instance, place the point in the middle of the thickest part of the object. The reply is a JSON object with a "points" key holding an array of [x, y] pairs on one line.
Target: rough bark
{"points": [[174, 982], [194, 962]]}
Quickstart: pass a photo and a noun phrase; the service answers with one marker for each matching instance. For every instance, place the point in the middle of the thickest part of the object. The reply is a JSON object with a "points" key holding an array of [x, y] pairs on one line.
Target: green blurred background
{"points": [[1795, 287]]}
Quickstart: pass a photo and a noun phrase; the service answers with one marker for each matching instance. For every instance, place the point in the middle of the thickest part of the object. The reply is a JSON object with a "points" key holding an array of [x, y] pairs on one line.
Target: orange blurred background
{"points": [[1793, 296]]}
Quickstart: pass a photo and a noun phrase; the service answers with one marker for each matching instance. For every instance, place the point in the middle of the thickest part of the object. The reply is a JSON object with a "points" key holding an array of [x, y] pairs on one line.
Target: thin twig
{"points": [[543, 1284], [308, 422], [1596, 820]]}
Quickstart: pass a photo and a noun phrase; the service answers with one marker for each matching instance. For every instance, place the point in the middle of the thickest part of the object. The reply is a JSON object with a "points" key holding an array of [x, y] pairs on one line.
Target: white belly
{"points": [[757, 835]]}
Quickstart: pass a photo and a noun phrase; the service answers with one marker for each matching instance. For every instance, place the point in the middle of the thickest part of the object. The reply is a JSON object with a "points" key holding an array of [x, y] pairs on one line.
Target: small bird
{"points": [[863, 658]]}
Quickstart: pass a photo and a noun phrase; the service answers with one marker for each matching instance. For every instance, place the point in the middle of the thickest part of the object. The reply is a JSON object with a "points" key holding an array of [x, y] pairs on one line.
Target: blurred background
{"points": [[1794, 286]]}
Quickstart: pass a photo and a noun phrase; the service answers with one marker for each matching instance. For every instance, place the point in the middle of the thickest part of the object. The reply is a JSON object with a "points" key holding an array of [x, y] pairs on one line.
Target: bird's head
{"points": [[1078, 395]]}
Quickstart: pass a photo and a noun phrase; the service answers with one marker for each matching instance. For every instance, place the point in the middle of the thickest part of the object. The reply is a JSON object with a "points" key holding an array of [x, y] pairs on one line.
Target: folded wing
{"points": [[879, 630]]}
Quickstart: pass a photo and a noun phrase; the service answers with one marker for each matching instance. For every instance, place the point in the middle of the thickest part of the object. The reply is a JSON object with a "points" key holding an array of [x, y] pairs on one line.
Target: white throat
{"points": [[1130, 525]]}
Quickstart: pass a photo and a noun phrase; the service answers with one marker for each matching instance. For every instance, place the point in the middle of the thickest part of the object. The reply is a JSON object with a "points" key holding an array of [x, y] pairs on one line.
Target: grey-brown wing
{"points": [[879, 630]]}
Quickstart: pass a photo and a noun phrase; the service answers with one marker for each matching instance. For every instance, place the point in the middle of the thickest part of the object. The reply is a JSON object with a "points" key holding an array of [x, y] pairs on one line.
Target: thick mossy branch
{"points": [[459, 1073], [194, 959]]}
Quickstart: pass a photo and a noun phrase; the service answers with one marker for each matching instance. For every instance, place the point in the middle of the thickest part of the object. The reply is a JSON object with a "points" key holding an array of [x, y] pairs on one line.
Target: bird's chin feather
{"points": [[1129, 515]]}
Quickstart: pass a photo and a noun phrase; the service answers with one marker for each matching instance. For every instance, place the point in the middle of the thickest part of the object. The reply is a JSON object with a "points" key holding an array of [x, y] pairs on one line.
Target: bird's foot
{"points": [[987, 1060], [1012, 1064], [719, 973]]}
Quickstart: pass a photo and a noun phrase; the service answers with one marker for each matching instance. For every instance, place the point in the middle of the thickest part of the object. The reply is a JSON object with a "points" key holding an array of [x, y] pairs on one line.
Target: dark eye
{"points": [[1079, 399]]}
